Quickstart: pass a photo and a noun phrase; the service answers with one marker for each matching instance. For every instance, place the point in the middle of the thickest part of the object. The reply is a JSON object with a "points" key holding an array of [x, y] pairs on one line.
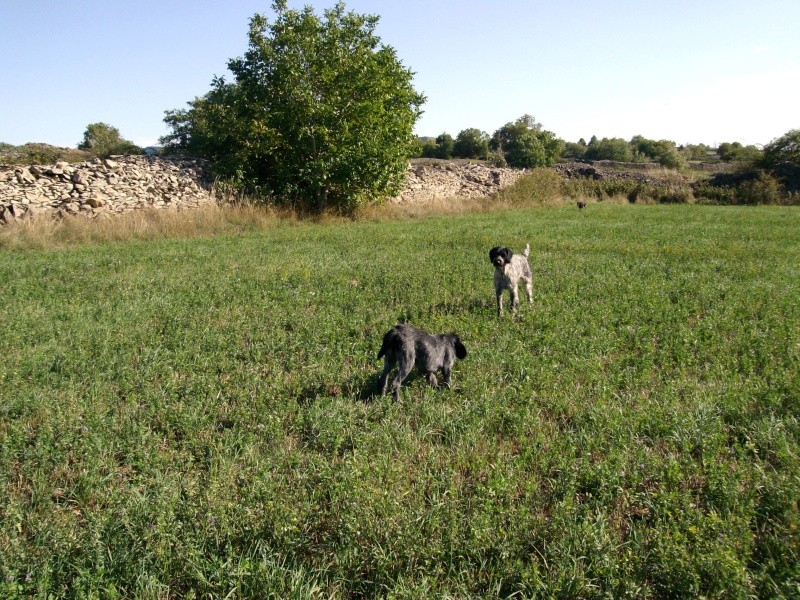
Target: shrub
{"points": [[763, 189], [537, 187], [609, 149]]}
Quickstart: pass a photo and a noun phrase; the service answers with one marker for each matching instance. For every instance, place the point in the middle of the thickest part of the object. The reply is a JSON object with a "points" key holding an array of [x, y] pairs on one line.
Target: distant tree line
{"points": [[523, 143]]}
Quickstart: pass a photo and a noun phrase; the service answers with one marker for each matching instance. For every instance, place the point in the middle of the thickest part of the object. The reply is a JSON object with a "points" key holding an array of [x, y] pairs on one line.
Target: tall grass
{"points": [[194, 417]]}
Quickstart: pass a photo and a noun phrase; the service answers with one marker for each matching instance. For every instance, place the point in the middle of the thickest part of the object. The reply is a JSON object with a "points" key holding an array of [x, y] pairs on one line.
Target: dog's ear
{"points": [[507, 254], [494, 252], [461, 350]]}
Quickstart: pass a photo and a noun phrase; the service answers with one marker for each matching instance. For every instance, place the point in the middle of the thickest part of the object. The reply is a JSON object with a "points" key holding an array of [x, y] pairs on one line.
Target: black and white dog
{"points": [[509, 268], [407, 346]]}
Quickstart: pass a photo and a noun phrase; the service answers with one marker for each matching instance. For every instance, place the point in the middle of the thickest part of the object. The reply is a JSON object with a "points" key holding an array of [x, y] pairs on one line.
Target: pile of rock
{"points": [[102, 186], [606, 169], [426, 182]]}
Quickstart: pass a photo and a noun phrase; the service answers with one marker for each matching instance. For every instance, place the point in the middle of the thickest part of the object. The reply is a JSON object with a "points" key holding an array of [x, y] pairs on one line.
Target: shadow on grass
{"points": [[363, 388]]}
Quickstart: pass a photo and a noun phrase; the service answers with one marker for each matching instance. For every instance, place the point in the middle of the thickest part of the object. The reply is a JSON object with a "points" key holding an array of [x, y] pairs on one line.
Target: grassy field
{"points": [[195, 418]]}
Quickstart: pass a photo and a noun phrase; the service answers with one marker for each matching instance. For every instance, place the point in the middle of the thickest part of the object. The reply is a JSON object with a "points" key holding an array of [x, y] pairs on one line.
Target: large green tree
{"points": [[319, 112]]}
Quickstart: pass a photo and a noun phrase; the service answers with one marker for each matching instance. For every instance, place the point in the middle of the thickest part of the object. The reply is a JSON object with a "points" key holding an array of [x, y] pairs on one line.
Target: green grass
{"points": [[195, 418]]}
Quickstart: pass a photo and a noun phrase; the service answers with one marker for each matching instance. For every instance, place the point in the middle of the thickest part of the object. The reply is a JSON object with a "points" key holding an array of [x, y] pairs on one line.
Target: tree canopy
{"points": [[101, 139], [783, 149], [319, 112], [525, 144]]}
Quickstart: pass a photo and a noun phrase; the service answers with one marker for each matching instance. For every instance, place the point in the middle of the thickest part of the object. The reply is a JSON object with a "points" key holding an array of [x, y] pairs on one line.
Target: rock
{"points": [[118, 185]]}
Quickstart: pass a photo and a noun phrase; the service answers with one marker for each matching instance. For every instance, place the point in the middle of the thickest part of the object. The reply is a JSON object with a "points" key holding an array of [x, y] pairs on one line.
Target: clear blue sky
{"points": [[690, 71]]}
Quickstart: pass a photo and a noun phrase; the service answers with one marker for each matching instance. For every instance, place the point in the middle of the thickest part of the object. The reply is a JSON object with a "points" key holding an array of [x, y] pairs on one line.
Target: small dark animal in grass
{"points": [[581, 204], [509, 268], [406, 347]]}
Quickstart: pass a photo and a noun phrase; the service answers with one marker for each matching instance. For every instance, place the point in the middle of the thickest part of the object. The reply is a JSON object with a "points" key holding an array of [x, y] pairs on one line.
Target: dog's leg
{"points": [[514, 291], [499, 294], [446, 375], [384, 379], [431, 376], [405, 363], [529, 290]]}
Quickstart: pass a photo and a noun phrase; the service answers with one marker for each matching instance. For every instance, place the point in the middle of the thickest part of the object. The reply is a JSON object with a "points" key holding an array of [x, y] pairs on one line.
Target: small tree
{"points": [[444, 146], [664, 152], [525, 144], [103, 140], [472, 143], [320, 113]]}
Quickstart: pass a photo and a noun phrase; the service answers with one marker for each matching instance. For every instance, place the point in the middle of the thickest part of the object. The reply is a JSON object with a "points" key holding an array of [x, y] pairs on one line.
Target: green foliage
{"points": [[696, 152], [103, 140], [761, 189], [319, 114], [609, 149], [539, 186], [444, 146], [472, 143], [194, 418], [418, 147], [575, 150], [664, 152], [39, 154], [736, 152], [525, 144], [785, 149]]}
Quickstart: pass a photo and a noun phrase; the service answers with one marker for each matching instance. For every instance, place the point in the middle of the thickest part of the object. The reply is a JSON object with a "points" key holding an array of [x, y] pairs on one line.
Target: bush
{"points": [[609, 149], [537, 187], [39, 154], [763, 189], [707, 193]]}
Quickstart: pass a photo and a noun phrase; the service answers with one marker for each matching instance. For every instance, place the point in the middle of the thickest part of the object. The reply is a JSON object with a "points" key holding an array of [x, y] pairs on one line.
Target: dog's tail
{"points": [[389, 340], [527, 250]]}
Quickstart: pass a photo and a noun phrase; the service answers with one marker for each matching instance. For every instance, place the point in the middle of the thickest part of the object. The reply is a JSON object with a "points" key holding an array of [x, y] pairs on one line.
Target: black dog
{"points": [[407, 347]]}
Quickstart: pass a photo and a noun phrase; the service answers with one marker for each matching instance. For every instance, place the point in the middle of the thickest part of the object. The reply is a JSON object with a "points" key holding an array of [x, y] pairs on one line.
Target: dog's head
{"points": [[500, 256], [455, 341]]}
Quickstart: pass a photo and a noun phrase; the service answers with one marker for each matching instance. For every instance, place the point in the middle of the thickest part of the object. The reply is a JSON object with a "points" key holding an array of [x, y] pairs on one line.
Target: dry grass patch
{"points": [[147, 224]]}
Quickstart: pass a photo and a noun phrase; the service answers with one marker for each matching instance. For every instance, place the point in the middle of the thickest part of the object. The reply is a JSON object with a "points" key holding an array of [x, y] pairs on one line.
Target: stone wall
{"points": [[108, 186], [121, 184], [431, 181]]}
